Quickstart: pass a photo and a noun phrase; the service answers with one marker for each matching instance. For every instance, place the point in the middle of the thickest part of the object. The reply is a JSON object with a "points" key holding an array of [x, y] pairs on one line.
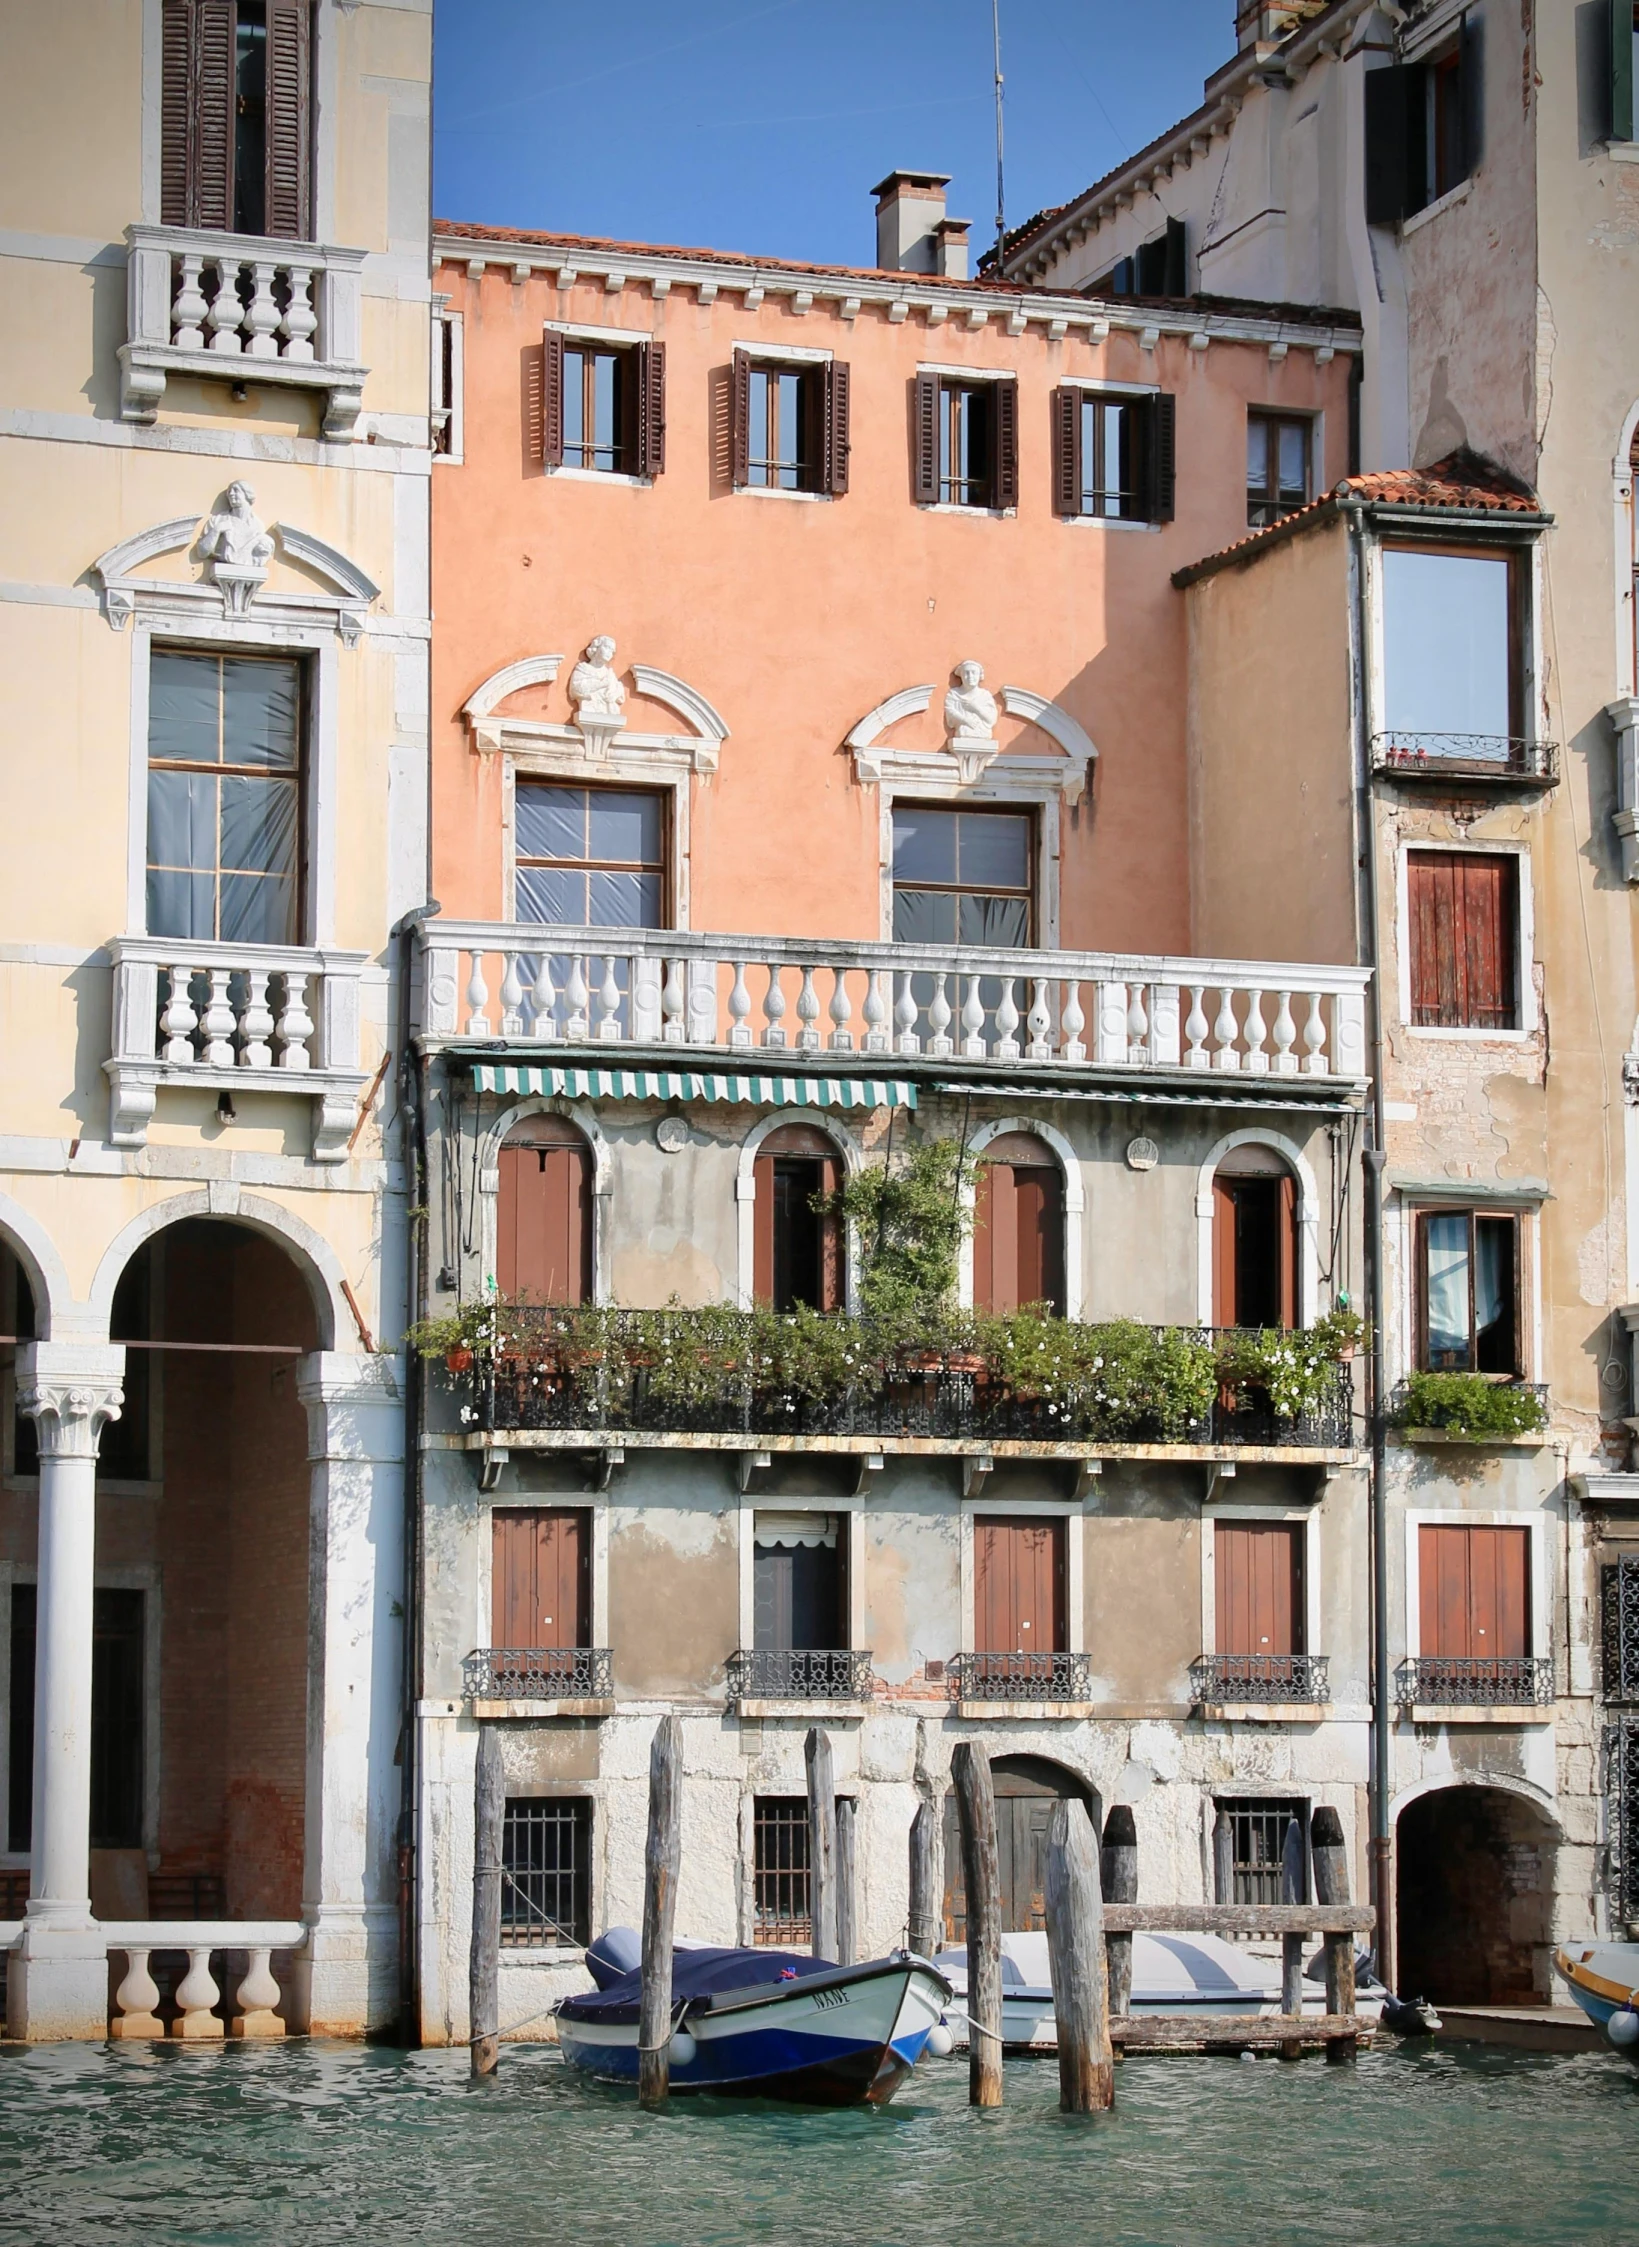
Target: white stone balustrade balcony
{"points": [[242, 308], [256, 1992], [794, 996], [239, 1019]]}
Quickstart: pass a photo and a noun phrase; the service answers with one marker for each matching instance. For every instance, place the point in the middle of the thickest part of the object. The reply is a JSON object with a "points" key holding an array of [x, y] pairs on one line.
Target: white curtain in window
{"points": [[1447, 1245]]}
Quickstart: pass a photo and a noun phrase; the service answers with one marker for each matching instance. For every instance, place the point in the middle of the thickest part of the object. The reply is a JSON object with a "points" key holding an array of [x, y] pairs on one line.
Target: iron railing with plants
{"points": [[539, 1673], [1023, 1677], [799, 1674], [1514, 1681], [1472, 1405], [1024, 1377], [1469, 756], [1259, 1677]]}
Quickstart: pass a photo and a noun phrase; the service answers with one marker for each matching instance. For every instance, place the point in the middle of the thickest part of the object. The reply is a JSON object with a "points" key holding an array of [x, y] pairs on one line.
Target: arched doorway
{"points": [[1474, 1880], [1026, 1788], [1254, 1240]]}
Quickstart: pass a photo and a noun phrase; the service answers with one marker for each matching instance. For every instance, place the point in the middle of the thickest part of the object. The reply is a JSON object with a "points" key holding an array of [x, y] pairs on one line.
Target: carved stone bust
{"points": [[236, 547], [970, 709], [594, 688]]}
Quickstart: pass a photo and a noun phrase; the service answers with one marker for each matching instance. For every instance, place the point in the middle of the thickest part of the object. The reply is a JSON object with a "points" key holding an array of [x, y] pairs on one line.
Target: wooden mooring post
{"points": [[822, 1845], [1075, 1950], [484, 1963], [1330, 1858], [1119, 1870], [663, 1857], [1291, 1946], [926, 1924], [981, 1883], [847, 1938]]}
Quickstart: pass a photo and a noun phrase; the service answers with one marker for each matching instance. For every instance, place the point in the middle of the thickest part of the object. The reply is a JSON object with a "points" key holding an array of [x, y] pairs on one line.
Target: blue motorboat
{"points": [[763, 2023]]}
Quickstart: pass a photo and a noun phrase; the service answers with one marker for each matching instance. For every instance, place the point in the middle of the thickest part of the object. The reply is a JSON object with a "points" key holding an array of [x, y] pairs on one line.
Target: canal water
{"points": [[1416, 2147]]}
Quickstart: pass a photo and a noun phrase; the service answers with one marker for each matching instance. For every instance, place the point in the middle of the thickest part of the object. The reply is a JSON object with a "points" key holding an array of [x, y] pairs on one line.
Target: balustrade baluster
{"points": [[1164, 1025], [134, 2001], [1286, 1032], [939, 1019], [196, 1993], [1138, 1026], [973, 1022], [512, 996], [1226, 1030], [1039, 1022], [257, 1995], [256, 1023], [576, 1000], [1257, 1061], [842, 1013], [477, 998], [907, 1039], [295, 1024], [1072, 1021], [262, 314], [1112, 1022], [1007, 1022], [808, 1007], [774, 1008], [1195, 1029], [179, 1021], [226, 311], [1314, 1039], [217, 1024], [541, 1000], [189, 307], [674, 1028], [875, 1011], [739, 1006], [609, 1001], [300, 322]]}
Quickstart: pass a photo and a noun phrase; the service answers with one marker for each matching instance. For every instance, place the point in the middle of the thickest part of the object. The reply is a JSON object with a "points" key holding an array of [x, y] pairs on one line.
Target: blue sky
{"points": [[760, 124]]}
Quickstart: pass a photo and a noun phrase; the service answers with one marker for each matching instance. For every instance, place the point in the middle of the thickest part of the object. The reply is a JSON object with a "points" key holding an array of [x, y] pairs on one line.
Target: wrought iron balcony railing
{"points": [[1513, 1681], [702, 1374], [1488, 757], [1259, 1677], [1023, 1677], [799, 1674], [539, 1673]]}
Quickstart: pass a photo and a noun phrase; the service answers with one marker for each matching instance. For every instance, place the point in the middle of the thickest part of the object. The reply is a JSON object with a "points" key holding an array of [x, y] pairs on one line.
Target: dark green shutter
{"points": [[1473, 93], [1176, 279], [1386, 153], [1163, 476], [1622, 42]]}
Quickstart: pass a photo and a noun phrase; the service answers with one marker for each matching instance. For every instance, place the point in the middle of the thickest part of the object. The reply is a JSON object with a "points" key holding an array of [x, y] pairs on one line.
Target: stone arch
{"points": [[55, 1310], [745, 1192], [1308, 1216], [312, 1255], [1474, 1885], [1075, 1203], [586, 1123]]}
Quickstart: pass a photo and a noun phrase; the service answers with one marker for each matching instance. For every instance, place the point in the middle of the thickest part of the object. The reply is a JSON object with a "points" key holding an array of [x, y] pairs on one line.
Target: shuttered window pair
{"points": [[1258, 1566], [236, 121], [1463, 915], [543, 1246], [788, 425], [1424, 127], [1474, 1592], [966, 442], [1114, 456], [1018, 1229], [603, 407], [1019, 1585], [540, 1577]]}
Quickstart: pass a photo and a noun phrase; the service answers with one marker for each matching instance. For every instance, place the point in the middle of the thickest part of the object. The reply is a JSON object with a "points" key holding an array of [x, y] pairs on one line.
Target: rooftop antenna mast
{"points": [[1001, 200]]}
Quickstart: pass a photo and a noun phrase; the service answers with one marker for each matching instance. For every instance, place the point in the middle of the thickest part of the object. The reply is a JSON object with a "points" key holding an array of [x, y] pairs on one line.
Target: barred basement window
{"points": [[546, 1873], [781, 1868], [1257, 1838]]}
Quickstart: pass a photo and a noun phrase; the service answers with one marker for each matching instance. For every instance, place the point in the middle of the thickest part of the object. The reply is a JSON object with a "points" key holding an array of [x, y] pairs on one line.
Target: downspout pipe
{"points": [[1374, 1159]]}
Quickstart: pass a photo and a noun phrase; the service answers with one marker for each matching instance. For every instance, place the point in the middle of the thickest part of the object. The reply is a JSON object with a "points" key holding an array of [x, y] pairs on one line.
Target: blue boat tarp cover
{"points": [[696, 1974]]}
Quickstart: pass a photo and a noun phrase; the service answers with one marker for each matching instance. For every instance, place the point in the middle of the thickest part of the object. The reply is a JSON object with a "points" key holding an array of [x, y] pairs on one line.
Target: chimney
{"points": [[913, 235]]}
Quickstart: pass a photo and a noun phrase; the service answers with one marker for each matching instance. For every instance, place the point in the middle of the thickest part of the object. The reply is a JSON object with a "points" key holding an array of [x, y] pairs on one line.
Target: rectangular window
{"points": [[1424, 123], [590, 857], [1452, 645], [1277, 466], [597, 416], [603, 405], [967, 442], [1258, 1830], [1018, 1585], [225, 798], [1468, 1292], [779, 458], [445, 415], [1258, 1567], [798, 1605], [546, 1873], [780, 1879], [1463, 935], [962, 877], [1474, 1592], [790, 425], [541, 1577], [236, 122], [797, 1246]]}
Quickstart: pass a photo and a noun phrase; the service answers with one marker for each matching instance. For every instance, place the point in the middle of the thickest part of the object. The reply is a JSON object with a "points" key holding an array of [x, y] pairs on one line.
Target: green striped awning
{"points": [[680, 1084]]}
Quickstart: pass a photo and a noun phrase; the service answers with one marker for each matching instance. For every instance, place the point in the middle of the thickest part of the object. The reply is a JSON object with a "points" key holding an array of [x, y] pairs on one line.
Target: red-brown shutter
{"points": [[739, 413], [552, 398], [541, 1577], [1429, 914], [1259, 1585], [289, 118], [762, 1229], [1224, 1303], [177, 27], [651, 408], [925, 440], [1462, 909], [998, 1185], [1288, 1251], [1038, 1203], [196, 114], [1163, 456], [1007, 443], [1474, 1592], [984, 1276], [1444, 1601], [1066, 429], [1018, 1602], [544, 1224], [833, 1285], [835, 442]]}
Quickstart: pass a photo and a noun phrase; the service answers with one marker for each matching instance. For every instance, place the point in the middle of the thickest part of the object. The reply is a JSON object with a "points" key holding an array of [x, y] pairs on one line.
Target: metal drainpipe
{"points": [[1374, 1157]]}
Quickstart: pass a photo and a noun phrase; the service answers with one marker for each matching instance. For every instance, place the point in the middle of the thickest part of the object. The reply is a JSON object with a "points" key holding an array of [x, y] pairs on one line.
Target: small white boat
{"points": [[1604, 1980]]}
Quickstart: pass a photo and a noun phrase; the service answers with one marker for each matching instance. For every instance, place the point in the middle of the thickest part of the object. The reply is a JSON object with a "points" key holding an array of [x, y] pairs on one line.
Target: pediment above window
{"points": [[598, 733], [971, 755], [235, 573]]}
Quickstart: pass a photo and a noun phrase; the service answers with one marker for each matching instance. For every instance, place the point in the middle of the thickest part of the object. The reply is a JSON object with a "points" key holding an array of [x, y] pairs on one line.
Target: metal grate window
{"points": [[1257, 1836], [546, 1873], [782, 1908], [1621, 1782], [1619, 1628]]}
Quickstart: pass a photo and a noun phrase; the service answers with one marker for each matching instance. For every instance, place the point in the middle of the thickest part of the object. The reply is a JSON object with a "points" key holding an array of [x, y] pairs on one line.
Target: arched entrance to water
{"points": [[1026, 1787], [1474, 1881]]}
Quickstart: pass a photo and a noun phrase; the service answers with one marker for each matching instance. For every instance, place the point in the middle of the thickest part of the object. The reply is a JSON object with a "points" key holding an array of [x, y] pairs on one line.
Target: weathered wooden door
{"points": [[1259, 1572], [1024, 1810], [1254, 1251], [1018, 1585], [1474, 1591], [1018, 1227], [541, 1593], [543, 1244]]}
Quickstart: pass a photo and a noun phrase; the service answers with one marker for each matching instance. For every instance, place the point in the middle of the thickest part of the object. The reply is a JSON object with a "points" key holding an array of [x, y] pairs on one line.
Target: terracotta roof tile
{"points": [[599, 245]]}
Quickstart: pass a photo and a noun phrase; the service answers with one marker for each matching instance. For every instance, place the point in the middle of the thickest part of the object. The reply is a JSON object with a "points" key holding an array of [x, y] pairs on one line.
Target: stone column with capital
{"points": [[346, 1980], [57, 1981]]}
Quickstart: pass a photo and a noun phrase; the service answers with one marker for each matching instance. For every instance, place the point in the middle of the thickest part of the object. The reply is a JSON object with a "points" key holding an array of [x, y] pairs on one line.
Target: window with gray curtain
{"points": [[962, 877], [225, 798]]}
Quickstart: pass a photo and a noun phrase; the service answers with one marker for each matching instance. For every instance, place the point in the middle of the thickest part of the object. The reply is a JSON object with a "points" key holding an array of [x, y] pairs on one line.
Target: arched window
{"points": [[1254, 1240], [543, 1243], [797, 1253], [1018, 1225]]}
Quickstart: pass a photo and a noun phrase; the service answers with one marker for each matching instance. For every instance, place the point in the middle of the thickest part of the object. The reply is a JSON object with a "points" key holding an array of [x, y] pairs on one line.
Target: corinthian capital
{"points": [[70, 1390]]}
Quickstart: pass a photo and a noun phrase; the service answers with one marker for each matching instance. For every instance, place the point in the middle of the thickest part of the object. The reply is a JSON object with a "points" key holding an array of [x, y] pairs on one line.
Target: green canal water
{"points": [[1416, 2147]]}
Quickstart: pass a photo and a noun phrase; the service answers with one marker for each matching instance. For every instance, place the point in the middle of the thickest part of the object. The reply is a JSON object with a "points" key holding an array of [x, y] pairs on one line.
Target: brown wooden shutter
{"points": [[651, 408], [1485, 953], [925, 440], [544, 1224], [289, 118], [1462, 914], [835, 440], [833, 1281], [1163, 456], [1038, 1202], [1066, 429], [1429, 915], [998, 1183], [1288, 1251], [1007, 443], [196, 114], [1224, 1304], [1444, 1600], [541, 1577], [739, 414], [1259, 1586], [177, 28], [1499, 1577], [552, 398], [1019, 1580], [762, 1229]]}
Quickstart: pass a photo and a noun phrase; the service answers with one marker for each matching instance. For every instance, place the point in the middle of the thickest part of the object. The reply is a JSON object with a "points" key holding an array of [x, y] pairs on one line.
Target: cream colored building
{"points": [[214, 479]]}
